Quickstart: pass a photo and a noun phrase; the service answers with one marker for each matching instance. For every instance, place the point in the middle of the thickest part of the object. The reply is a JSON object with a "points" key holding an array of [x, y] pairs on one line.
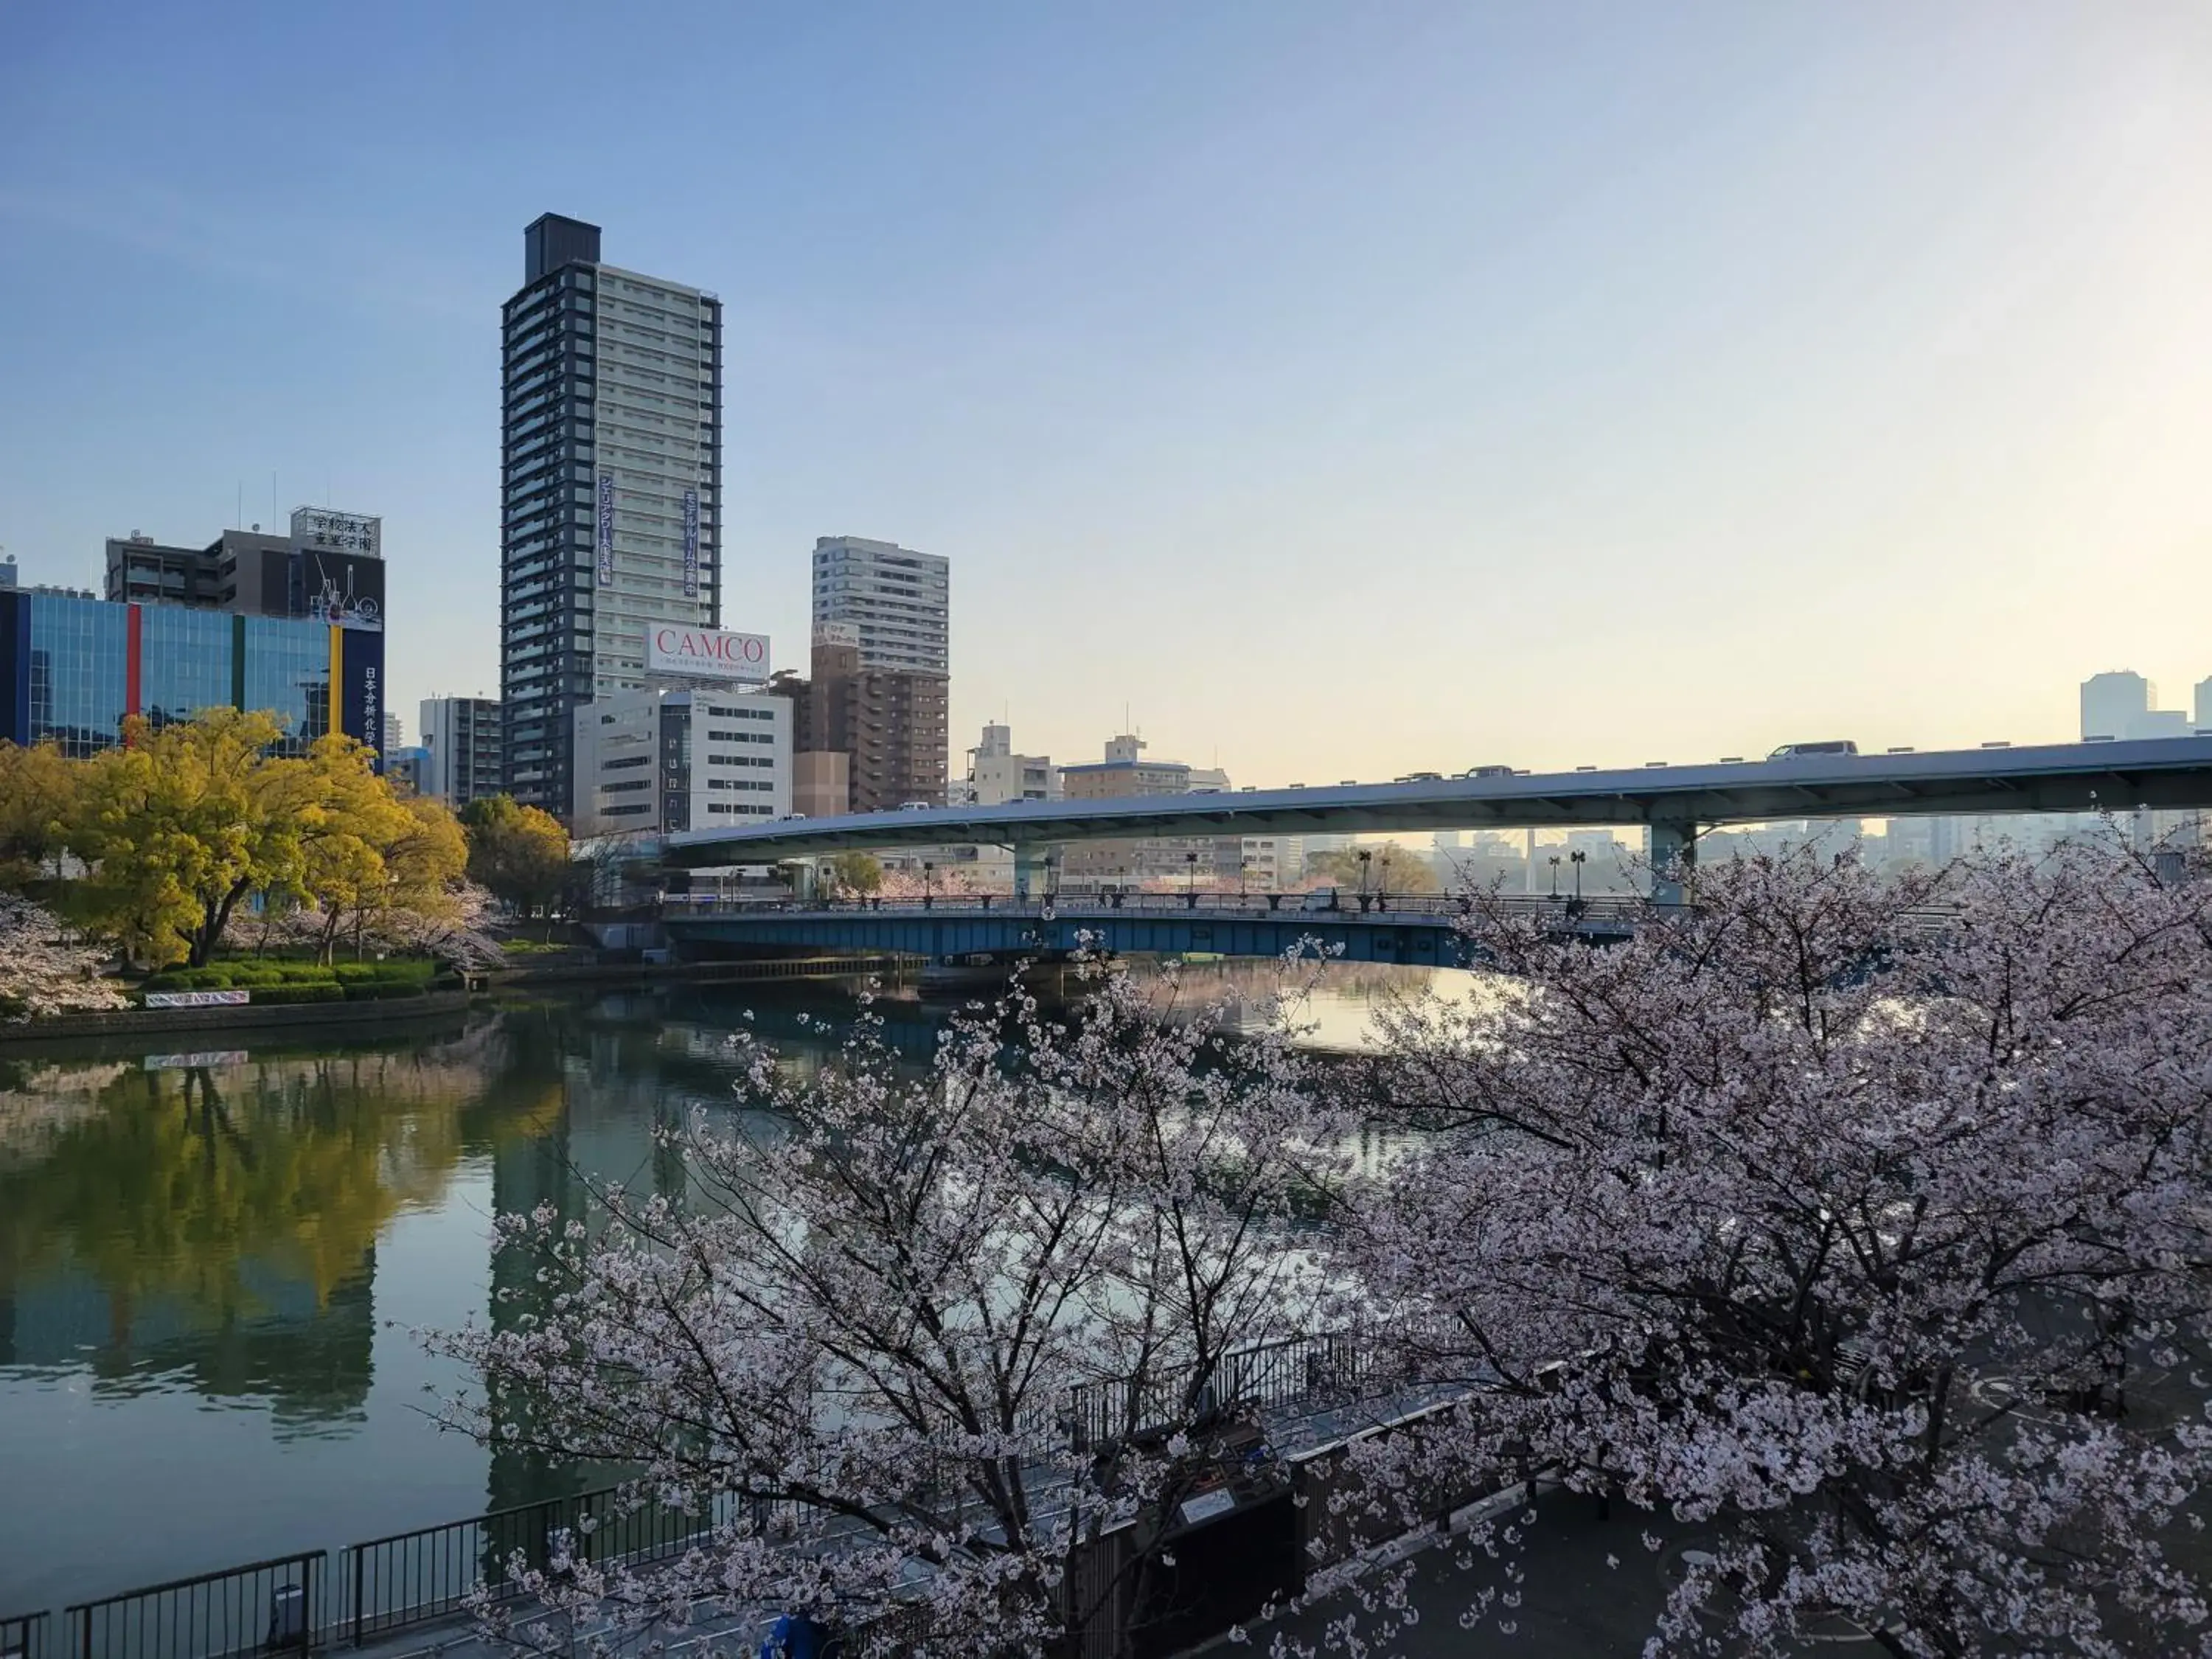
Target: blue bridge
{"points": [[1420, 931]]}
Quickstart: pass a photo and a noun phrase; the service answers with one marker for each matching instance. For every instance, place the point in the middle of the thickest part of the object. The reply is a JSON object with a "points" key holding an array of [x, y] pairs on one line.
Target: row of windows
{"points": [[743, 737], [743, 784], [741, 760]]}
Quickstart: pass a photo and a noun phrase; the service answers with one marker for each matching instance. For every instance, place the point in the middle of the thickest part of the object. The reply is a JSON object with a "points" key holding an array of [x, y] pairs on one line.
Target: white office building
{"points": [[896, 602], [664, 759], [997, 775]]}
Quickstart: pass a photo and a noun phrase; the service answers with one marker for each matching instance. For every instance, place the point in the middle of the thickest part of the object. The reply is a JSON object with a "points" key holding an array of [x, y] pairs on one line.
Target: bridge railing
{"points": [[1600, 908]]}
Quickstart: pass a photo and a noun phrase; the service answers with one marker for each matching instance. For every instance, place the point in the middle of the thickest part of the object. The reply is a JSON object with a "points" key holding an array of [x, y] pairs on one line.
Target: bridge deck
{"points": [[2164, 772]]}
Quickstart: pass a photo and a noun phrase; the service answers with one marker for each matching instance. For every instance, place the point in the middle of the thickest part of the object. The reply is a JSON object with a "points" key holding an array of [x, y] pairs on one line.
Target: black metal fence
{"points": [[24, 1636], [265, 1607], [413, 1577], [1296, 1371], [298, 1604]]}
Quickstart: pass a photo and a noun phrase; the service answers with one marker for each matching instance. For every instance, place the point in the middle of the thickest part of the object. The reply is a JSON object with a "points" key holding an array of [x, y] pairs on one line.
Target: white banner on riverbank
{"points": [[197, 999]]}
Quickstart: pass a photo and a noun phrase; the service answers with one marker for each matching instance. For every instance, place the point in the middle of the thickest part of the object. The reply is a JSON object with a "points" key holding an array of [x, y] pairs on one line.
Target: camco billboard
{"points": [[706, 654]]}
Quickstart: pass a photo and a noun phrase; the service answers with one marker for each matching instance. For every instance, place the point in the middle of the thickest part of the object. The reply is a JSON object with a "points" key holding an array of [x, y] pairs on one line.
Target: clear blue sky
{"points": [[1343, 388]]}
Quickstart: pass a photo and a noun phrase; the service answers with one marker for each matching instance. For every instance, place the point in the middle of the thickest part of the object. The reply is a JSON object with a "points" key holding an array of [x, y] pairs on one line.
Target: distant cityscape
{"points": [[627, 710]]}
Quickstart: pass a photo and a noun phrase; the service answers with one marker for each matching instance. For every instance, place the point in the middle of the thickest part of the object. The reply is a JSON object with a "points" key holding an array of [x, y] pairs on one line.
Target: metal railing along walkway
{"points": [[24, 1636], [384, 1587]]}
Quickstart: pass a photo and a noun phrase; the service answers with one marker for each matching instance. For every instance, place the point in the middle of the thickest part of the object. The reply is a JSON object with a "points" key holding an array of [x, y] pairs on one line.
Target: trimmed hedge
{"points": [[408, 976], [330, 992]]}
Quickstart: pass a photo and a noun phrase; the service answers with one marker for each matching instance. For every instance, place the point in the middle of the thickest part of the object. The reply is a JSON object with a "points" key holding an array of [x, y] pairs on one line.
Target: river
{"points": [[211, 1261]]}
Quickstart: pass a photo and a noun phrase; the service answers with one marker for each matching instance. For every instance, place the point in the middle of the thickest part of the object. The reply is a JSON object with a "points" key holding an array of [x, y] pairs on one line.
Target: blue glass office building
{"points": [[72, 670]]}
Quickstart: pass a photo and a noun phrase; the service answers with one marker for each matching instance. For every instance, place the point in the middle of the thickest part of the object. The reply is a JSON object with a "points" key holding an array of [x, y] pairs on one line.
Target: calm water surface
{"points": [[210, 1262]]}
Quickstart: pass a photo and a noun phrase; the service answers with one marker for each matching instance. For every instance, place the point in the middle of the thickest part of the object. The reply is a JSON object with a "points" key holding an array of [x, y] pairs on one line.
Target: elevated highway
{"points": [[1675, 801]]}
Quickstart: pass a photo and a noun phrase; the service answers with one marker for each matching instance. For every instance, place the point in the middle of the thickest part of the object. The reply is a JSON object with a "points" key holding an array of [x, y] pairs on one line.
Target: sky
{"points": [[1340, 390]]}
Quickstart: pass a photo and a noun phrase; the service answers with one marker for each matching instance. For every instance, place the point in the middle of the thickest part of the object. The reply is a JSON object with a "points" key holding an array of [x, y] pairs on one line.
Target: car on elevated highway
{"points": [[1814, 750]]}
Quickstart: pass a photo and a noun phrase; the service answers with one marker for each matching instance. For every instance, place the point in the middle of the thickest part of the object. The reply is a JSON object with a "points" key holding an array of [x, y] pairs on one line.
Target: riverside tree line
{"points": [[196, 836], [1860, 1221]]}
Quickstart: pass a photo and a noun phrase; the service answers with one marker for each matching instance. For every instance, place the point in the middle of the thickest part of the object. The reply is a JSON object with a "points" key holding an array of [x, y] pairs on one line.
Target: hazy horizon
{"points": [[1342, 392]]}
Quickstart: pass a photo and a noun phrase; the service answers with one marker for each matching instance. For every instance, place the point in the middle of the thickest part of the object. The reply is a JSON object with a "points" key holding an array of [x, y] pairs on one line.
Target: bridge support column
{"points": [[1029, 872], [1674, 857]]}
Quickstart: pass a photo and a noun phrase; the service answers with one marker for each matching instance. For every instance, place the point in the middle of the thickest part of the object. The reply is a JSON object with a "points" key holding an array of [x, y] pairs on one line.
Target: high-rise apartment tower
{"points": [[612, 493], [895, 601]]}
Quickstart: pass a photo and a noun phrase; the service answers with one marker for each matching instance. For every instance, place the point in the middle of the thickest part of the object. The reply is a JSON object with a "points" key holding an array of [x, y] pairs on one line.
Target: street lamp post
{"points": [[1190, 892], [1578, 857], [1244, 875], [928, 889], [1555, 875], [1366, 857]]}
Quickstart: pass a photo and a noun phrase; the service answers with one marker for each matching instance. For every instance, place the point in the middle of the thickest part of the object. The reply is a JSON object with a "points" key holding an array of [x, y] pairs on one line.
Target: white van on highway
{"points": [[1808, 751]]}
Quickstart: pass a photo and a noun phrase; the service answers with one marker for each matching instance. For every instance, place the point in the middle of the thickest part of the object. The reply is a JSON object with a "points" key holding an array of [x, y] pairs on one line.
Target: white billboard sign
{"points": [[197, 999], [323, 530], [706, 654]]}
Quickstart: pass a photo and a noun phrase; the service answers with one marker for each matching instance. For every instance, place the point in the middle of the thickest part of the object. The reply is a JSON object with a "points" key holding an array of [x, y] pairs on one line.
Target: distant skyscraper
{"points": [[2203, 711], [2114, 704], [612, 456], [395, 734], [2119, 706], [897, 601]]}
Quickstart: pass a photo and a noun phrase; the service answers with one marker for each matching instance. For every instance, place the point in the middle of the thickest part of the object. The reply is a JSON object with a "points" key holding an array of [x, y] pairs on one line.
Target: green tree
{"points": [[518, 853], [367, 852], [1389, 868], [854, 872], [184, 822], [38, 798]]}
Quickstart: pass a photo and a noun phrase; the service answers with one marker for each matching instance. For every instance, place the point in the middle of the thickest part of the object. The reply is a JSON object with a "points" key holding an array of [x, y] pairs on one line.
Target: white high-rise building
{"points": [[897, 601]]}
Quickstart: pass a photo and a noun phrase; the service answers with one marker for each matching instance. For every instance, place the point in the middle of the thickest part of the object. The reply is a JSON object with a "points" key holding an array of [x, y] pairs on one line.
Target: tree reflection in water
{"points": [[215, 1226]]}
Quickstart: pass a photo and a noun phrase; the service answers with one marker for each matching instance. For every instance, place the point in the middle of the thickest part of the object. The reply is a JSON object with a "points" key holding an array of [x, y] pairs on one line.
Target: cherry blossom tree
{"points": [[42, 971], [1862, 1222], [928, 1337]]}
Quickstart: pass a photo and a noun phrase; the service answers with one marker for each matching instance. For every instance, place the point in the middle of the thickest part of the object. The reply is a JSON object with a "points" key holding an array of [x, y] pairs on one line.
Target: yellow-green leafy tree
{"points": [[366, 853], [181, 825], [39, 791], [520, 852]]}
